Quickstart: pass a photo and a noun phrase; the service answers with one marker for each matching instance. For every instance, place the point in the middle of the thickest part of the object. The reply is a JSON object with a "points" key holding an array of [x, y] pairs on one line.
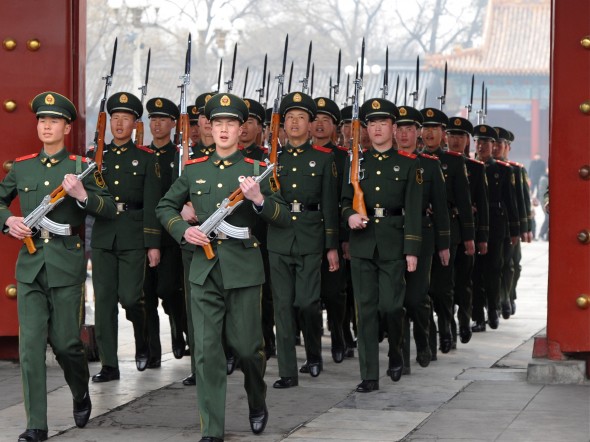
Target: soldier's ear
{"points": [[67, 127]]}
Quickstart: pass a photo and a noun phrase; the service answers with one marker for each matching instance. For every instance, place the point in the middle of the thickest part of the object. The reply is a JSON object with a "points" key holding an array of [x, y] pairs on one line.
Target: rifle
{"points": [[230, 82], [245, 82], [183, 126], [37, 219], [290, 78], [275, 125], [101, 123], [306, 78], [480, 112], [355, 151], [347, 90], [216, 223], [312, 75], [337, 85], [417, 91], [470, 105], [219, 76], [143, 88], [261, 90], [385, 87], [396, 89], [443, 97]]}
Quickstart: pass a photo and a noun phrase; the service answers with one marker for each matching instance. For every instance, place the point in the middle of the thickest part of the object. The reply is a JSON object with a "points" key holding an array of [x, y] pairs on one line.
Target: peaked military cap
{"points": [[511, 139], [485, 131], [202, 100], [162, 107], [461, 125], [52, 104], [409, 115], [434, 117], [346, 114], [378, 108], [226, 106], [328, 107], [256, 109], [193, 113], [298, 100], [124, 102], [503, 134]]}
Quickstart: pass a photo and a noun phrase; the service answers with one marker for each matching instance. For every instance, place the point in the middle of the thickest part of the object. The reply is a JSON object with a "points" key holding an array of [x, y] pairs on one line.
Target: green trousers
{"points": [[187, 256], [118, 277], [211, 304], [334, 298], [55, 314], [296, 287], [379, 291]]}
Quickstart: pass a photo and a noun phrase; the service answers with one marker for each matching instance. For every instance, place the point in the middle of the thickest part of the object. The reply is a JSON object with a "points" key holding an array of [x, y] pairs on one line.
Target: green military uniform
{"points": [[50, 282], [119, 245], [503, 221], [478, 188], [435, 236], [225, 291], [392, 188], [462, 228], [308, 180], [165, 281]]}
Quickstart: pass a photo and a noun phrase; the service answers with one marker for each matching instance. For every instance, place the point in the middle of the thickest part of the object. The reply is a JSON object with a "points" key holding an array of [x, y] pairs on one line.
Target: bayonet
{"points": [[305, 80], [347, 90], [443, 97], [267, 88], [470, 105], [183, 122], [405, 91], [396, 89], [230, 82], [139, 130], [261, 90], [312, 75], [386, 75], [219, 75], [336, 87], [425, 97], [417, 91], [245, 82], [485, 106], [290, 78], [480, 112], [330, 89]]}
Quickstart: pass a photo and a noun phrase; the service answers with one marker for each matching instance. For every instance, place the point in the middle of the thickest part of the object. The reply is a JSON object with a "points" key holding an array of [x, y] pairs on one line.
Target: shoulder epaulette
{"points": [[27, 157], [345, 149], [514, 163], [264, 149], [406, 154], [240, 147], [473, 160], [365, 150], [145, 149], [451, 152], [503, 163], [322, 149], [83, 159], [197, 160], [251, 161], [431, 157]]}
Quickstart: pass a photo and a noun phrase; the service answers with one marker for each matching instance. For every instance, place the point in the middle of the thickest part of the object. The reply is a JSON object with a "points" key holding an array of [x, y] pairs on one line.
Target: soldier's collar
{"points": [[207, 150], [226, 161], [53, 159], [381, 155], [123, 147], [299, 149]]}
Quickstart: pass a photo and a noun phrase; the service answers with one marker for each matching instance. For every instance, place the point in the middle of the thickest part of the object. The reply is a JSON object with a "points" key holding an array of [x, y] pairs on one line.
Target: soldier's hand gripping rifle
{"points": [[37, 219], [216, 224], [182, 128], [275, 125], [139, 131], [101, 123], [355, 151]]}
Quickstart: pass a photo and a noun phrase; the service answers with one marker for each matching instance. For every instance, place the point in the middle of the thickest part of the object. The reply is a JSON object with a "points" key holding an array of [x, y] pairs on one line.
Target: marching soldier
{"points": [[308, 180], [205, 146], [459, 131], [436, 235], [119, 245], [503, 215], [385, 244], [165, 280], [460, 214], [220, 293], [50, 281]]}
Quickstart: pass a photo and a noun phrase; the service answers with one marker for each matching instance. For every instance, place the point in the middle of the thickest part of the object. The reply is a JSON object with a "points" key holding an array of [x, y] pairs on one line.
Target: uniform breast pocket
{"points": [[200, 197], [312, 181], [27, 192], [396, 189], [135, 179]]}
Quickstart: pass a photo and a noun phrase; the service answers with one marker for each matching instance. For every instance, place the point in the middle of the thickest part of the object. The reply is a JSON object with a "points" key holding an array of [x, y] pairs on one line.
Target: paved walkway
{"points": [[476, 393]]}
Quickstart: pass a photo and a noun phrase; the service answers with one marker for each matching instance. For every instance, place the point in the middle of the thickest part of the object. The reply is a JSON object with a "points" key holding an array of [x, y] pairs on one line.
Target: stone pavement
{"points": [[477, 393]]}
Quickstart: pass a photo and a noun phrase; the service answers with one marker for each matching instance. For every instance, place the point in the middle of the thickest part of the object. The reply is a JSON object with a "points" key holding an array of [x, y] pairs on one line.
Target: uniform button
{"points": [[26, 189], [116, 198], [255, 244], [116, 182], [294, 169], [396, 178], [116, 166], [220, 185], [380, 158], [377, 205], [46, 240], [48, 164], [199, 192], [293, 218], [294, 184], [222, 167], [46, 183], [219, 242], [134, 173], [377, 188], [295, 154], [376, 221], [218, 204], [157, 154], [378, 172], [78, 245], [313, 174], [118, 152]]}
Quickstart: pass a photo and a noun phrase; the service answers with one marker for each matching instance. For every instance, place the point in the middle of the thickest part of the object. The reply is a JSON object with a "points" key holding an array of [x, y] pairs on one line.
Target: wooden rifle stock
{"points": [[275, 127], [358, 200], [139, 134], [185, 128], [101, 126]]}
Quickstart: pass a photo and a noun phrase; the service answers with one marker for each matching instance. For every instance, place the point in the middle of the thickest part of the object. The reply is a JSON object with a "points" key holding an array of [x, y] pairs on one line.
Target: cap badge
{"points": [[376, 105], [201, 181], [123, 98], [297, 98], [225, 101], [208, 97], [194, 110], [312, 164], [321, 102], [429, 113], [247, 103], [403, 112], [135, 162], [457, 122], [159, 103], [483, 129], [49, 99]]}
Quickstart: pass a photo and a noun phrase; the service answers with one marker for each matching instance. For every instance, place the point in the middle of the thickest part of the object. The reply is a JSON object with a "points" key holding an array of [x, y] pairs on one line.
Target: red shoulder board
{"points": [[145, 148], [322, 149], [27, 157], [264, 149], [197, 160], [345, 149], [514, 163], [473, 160], [406, 154], [457, 154], [251, 161], [503, 163], [240, 147], [84, 159], [431, 157]]}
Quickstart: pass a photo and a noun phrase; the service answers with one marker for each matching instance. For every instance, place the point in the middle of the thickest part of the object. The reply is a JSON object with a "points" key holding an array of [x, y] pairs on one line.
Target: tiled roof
{"points": [[509, 47]]}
